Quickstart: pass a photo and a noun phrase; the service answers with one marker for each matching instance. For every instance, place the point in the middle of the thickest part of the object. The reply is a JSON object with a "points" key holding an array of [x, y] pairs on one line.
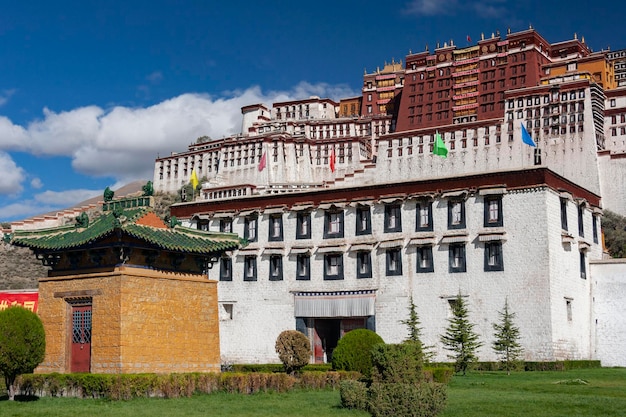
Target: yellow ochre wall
{"points": [[143, 321]]}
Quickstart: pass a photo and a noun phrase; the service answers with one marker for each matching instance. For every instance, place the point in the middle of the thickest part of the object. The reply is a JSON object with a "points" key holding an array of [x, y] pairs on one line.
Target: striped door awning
{"points": [[335, 304]]}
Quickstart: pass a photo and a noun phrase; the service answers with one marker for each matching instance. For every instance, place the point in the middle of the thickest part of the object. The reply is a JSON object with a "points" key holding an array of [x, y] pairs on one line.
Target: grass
{"points": [[585, 392]]}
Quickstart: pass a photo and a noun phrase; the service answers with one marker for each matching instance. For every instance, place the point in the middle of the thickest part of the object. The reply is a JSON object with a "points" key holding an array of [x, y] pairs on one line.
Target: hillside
{"points": [[19, 269]]}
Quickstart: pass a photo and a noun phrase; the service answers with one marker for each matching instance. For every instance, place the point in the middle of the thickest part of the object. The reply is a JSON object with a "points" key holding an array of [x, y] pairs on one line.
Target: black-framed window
{"points": [[226, 225], [333, 224], [202, 225], [303, 225], [333, 266], [583, 265], [493, 256], [363, 220], [564, 213], [249, 268], [226, 269], [393, 261], [594, 227], [275, 226], [425, 259], [456, 256], [303, 267], [276, 268], [493, 211], [251, 226], [363, 264], [393, 218], [456, 214], [581, 220], [424, 216]]}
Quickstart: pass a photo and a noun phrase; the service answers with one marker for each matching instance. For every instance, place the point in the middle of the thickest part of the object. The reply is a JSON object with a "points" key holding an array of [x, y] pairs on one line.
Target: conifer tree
{"points": [[460, 338], [413, 324], [506, 343]]}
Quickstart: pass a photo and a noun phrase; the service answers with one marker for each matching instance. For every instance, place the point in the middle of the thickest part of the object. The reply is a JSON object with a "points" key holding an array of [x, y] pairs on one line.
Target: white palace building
{"points": [[349, 214]]}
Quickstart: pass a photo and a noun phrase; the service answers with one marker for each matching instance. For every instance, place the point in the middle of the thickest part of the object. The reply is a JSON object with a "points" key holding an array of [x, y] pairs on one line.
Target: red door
{"points": [[81, 339]]}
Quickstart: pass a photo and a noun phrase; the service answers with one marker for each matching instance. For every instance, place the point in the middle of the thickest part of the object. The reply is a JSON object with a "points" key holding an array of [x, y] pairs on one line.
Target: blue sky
{"points": [[92, 92]]}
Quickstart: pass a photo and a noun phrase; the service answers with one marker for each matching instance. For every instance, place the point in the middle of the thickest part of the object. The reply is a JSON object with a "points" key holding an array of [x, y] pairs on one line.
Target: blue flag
{"points": [[526, 137]]}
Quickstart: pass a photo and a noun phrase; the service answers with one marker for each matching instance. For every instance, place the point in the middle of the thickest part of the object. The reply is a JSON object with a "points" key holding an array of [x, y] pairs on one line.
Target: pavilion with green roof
{"points": [[128, 293]]}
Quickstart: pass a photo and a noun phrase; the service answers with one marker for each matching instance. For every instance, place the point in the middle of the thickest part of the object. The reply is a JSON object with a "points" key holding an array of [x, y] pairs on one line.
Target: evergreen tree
{"points": [[460, 338], [413, 324], [506, 343]]}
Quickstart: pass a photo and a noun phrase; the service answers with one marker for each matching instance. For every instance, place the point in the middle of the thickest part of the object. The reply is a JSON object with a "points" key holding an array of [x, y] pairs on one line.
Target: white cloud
{"points": [[482, 8], [65, 198], [36, 183], [123, 142], [12, 175], [155, 77], [5, 96]]}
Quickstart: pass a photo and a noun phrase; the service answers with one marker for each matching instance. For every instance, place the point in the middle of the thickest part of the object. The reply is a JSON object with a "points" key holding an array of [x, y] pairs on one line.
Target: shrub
{"points": [[398, 363], [440, 374], [22, 344], [353, 394], [410, 400], [294, 350], [354, 351]]}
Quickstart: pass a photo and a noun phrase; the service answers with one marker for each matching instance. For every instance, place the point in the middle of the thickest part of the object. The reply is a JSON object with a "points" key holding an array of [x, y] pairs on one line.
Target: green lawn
{"points": [[492, 394]]}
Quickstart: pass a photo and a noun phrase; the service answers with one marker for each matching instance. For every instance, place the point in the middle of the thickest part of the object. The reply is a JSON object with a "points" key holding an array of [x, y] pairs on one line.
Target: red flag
{"points": [[332, 160], [262, 162], [469, 39]]}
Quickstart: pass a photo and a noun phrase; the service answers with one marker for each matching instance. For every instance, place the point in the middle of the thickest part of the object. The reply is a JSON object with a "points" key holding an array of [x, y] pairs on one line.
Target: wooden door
{"points": [[81, 339]]}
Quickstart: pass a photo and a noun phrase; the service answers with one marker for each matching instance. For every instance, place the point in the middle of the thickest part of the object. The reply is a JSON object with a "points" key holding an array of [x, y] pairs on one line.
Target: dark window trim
{"points": [[226, 269], [363, 211], [462, 267], [429, 206], [224, 222], [299, 220], [327, 258], [388, 255], [421, 250], [581, 220], [270, 236], [489, 247], [334, 235], [594, 225], [361, 257], [307, 260], [499, 222], [563, 213], [393, 210], [246, 225], [583, 265], [461, 224], [276, 261], [247, 277]]}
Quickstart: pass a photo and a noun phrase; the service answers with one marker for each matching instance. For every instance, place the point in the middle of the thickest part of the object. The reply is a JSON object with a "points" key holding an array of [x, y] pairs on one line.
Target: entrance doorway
{"points": [[81, 339], [327, 332]]}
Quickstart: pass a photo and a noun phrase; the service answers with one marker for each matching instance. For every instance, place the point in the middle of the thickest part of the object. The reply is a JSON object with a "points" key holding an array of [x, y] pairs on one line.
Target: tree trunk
{"points": [[10, 383]]}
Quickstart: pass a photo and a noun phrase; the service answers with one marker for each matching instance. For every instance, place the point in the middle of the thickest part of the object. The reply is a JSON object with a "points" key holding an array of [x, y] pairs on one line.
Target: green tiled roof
{"points": [[177, 239]]}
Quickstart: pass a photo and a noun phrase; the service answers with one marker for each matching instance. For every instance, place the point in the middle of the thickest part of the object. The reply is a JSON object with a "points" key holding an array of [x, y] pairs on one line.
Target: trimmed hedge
{"points": [[528, 366], [277, 367], [127, 386]]}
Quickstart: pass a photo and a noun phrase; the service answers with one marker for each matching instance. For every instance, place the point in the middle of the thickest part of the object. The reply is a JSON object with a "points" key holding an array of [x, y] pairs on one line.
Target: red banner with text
{"points": [[27, 299]]}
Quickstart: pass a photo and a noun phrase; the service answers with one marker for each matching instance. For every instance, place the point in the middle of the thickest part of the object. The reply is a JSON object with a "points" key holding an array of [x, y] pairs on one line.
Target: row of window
{"points": [[334, 220], [581, 224], [334, 263]]}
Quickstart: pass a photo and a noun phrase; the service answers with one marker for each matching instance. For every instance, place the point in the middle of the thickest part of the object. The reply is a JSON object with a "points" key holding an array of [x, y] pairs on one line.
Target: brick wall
{"points": [[143, 321]]}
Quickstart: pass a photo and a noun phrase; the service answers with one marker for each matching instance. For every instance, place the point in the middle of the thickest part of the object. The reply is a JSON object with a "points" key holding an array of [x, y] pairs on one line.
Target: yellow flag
{"points": [[194, 179]]}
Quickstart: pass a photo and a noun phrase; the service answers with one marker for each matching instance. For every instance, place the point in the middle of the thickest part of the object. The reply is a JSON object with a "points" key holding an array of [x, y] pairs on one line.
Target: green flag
{"points": [[440, 147]]}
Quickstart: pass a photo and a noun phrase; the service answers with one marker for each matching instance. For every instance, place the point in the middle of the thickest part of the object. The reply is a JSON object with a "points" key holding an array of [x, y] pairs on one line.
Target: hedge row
{"points": [[532, 366], [277, 367], [127, 386]]}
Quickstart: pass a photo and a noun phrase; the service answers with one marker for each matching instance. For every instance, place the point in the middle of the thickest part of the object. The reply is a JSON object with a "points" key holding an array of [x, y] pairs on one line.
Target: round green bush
{"points": [[22, 344], [354, 351]]}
